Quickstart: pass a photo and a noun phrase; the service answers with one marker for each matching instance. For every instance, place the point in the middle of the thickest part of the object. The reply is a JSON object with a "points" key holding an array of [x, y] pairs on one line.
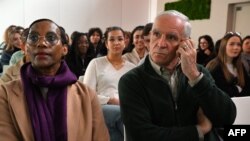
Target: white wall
{"points": [[216, 25], [10, 14], [77, 15]]}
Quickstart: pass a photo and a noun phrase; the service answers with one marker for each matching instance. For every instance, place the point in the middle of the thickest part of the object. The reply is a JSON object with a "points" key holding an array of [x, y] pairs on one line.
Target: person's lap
{"points": [[113, 121]]}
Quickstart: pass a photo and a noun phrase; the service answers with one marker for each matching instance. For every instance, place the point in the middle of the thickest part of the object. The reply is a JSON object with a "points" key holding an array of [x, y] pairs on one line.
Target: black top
{"points": [[230, 87], [77, 64], [149, 112], [203, 58]]}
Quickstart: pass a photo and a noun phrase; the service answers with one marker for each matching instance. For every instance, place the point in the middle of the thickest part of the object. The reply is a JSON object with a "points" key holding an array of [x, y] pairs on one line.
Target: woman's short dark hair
{"points": [[93, 30]]}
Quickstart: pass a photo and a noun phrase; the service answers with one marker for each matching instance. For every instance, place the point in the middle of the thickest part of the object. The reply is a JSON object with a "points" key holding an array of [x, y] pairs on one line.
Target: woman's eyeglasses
{"points": [[50, 38]]}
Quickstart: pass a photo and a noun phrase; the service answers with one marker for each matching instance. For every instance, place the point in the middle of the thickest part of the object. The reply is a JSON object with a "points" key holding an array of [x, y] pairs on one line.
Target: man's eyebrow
{"points": [[156, 31], [172, 33]]}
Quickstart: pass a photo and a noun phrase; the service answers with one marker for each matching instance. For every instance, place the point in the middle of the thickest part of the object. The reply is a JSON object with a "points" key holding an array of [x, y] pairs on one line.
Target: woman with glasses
{"points": [[227, 68], [205, 50], [48, 103]]}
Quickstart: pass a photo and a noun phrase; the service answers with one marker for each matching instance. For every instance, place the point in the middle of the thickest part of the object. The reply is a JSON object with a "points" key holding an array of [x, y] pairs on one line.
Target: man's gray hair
{"points": [[184, 18]]}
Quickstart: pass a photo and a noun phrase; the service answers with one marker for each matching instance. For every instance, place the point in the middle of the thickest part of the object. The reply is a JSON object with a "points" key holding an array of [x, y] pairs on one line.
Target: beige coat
{"points": [[84, 115]]}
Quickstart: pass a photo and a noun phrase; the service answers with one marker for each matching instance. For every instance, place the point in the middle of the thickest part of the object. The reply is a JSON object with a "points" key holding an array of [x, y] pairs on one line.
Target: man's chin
{"points": [[162, 59], [160, 56], [159, 60]]}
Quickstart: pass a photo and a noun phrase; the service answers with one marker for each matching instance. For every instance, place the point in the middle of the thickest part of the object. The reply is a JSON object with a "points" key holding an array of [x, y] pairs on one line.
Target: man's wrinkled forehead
{"points": [[168, 23]]}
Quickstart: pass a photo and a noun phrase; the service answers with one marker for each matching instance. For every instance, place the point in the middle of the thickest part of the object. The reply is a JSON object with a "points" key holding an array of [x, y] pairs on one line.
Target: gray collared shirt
{"points": [[172, 78]]}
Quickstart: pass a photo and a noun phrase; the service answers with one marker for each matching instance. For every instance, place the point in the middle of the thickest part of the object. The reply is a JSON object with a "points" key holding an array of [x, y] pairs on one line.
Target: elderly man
{"points": [[169, 97]]}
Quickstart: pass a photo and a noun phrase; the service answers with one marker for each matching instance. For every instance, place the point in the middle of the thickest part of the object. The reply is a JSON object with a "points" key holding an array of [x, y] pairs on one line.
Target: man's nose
{"points": [[162, 41]]}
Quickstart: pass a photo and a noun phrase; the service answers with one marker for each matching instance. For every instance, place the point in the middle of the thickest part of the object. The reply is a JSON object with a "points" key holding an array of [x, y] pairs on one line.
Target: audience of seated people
{"points": [[120, 51], [103, 74]]}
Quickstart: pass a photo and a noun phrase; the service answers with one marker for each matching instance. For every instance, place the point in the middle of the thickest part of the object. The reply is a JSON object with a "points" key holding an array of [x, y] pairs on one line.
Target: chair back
{"points": [[243, 110]]}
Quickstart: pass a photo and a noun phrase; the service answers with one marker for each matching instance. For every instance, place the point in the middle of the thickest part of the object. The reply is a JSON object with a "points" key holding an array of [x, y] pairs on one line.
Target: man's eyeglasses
{"points": [[233, 33], [50, 38]]}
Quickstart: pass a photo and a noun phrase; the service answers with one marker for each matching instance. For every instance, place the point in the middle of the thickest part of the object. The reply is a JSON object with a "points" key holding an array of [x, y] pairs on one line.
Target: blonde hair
{"points": [[11, 32]]}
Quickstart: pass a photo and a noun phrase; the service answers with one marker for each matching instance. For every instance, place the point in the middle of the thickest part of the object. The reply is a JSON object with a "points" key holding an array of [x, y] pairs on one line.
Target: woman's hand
{"points": [[114, 101]]}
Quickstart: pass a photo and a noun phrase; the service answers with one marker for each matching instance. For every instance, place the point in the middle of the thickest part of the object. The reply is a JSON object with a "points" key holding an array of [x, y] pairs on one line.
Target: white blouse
{"points": [[102, 77]]}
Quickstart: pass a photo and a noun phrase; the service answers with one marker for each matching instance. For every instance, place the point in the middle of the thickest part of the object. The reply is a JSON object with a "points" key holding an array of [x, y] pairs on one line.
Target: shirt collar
{"points": [[156, 67], [159, 70]]}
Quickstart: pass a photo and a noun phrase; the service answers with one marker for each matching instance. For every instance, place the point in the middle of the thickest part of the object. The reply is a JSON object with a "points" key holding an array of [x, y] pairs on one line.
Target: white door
{"points": [[242, 19]]}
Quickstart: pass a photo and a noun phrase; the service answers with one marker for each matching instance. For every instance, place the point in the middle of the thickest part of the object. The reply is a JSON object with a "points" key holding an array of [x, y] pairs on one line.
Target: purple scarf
{"points": [[48, 116]]}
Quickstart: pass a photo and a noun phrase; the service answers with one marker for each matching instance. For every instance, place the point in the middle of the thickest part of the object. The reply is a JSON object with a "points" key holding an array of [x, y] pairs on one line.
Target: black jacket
{"points": [[230, 87], [150, 114]]}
